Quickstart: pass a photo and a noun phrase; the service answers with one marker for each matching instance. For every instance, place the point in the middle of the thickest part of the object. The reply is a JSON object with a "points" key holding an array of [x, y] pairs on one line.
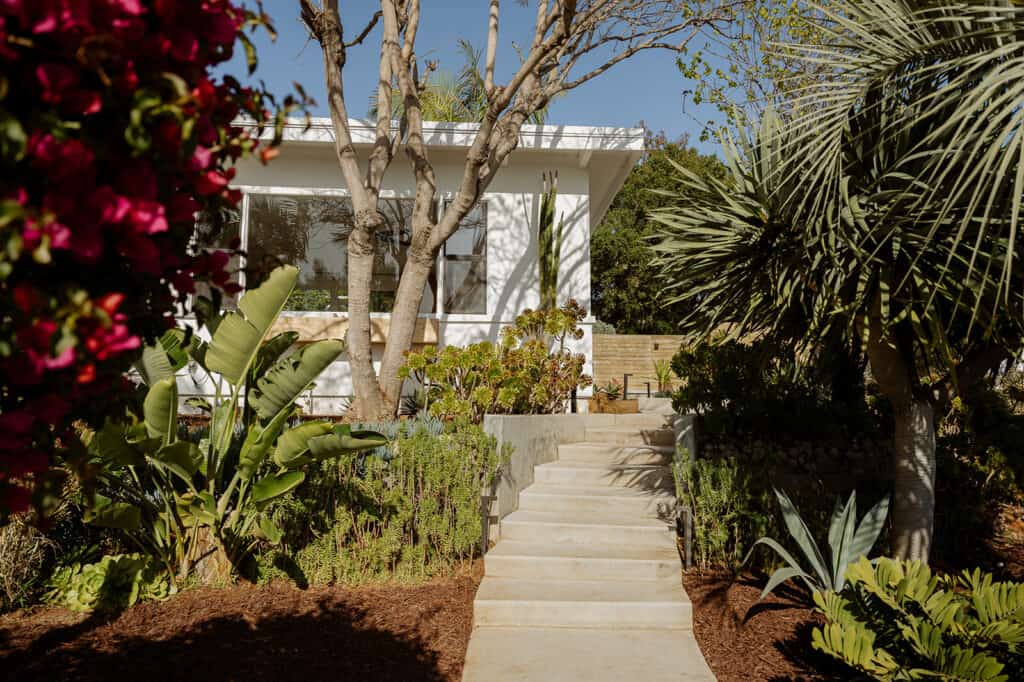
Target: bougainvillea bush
{"points": [[113, 134]]}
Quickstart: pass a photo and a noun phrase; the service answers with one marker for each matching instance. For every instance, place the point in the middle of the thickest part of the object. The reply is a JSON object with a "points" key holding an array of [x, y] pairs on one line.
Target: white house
{"points": [[295, 209]]}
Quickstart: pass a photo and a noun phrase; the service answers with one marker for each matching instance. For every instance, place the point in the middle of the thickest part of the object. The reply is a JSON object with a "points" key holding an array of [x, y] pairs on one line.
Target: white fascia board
{"points": [[460, 135]]}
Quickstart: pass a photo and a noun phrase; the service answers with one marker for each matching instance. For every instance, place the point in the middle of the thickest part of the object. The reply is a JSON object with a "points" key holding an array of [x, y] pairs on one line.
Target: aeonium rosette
{"points": [[114, 134]]}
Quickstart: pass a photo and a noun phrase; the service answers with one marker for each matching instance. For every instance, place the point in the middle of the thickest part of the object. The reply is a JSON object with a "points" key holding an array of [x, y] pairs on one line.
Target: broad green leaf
{"points": [[181, 457], [802, 535], [293, 446], [271, 351], [342, 440], [870, 528], [160, 409], [258, 442], [270, 531], [105, 513], [110, 445], [237, 340], [164, 358], [292, 374], [270, 487], [780, 576]]}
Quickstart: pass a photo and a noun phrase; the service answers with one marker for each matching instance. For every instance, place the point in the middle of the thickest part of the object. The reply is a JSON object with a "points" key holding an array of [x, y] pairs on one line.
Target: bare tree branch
{"points": [[492, 48], [365, 32]]}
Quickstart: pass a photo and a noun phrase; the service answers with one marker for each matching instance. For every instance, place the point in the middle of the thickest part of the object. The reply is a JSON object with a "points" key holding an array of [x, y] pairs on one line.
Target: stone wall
{"points": [[618, 354]]}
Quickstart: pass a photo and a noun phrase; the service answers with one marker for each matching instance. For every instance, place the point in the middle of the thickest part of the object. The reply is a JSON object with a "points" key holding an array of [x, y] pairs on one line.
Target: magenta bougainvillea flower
{"points": [[114, 133]]}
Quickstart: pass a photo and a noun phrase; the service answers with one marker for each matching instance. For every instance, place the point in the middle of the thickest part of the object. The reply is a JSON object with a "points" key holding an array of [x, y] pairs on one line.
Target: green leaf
{"points": [[780, 576], [12, 138], [238, 337], [804, 540], [258, 442], [293, 446], [181, 457], [870, 528], [271, 487], [160, 410], [110, 444], [105, 513], [163, 359], [270, 530], [270, 352], [291, 375]]}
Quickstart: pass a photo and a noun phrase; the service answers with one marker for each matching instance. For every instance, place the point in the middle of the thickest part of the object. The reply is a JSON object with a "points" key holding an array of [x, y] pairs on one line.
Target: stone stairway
{"points": [[585, 580]]}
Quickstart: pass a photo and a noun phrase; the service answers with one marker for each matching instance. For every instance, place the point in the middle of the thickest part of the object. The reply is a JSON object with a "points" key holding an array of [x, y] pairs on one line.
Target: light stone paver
{"points": [[584, 583]]}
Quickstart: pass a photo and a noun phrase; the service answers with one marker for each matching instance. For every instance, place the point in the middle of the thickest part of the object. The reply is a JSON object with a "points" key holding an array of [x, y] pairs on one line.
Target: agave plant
{"points": [[173, 496], [847, 542]]}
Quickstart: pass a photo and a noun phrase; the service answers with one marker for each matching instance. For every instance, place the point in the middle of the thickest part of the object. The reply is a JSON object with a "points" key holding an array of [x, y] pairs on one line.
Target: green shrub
{"points": [[898, 621], [739, 388], [409, 513], [112, 584], [730, 511], [529, 372]]}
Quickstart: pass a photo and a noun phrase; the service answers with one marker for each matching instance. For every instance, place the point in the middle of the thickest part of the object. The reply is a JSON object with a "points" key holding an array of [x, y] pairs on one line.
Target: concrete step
{"points": [[626, 503], [613, 455], [540, 561], [631, 435], [586, 528], [498, 654], [582, 603], [632, 476]]}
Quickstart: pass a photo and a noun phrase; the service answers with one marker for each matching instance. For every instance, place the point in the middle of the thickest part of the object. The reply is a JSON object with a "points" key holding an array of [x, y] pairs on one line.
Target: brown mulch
{"points": [[747, 641], [243, 632]]}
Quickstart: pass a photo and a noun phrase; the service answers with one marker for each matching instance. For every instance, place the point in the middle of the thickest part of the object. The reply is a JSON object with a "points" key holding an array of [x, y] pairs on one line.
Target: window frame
{"points": [[444, 199]]}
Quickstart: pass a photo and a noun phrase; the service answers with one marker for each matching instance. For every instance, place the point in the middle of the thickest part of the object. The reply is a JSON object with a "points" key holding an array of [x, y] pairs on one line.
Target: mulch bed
{"points": [[278, 632], [747, 641]]}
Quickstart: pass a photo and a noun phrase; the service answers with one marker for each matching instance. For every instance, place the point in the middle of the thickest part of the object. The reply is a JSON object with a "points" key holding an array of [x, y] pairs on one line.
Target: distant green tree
{"points": [[626, 292]]}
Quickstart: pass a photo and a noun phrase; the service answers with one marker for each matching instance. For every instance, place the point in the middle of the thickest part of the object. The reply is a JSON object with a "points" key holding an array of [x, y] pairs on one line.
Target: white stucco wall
{"points": [[513, 201]]}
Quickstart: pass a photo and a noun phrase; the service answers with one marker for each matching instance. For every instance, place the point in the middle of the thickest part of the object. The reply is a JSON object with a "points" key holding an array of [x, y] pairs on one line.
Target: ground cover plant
{"points": [[407, 511], [114, 131], [897, 621]]}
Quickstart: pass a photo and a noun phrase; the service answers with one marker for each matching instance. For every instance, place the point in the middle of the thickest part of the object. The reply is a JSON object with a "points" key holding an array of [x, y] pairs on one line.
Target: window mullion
{"points": [[243, 238]]}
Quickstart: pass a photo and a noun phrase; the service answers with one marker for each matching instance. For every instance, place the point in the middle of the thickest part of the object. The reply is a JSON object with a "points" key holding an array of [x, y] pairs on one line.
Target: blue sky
{"points": [[647, 87]]}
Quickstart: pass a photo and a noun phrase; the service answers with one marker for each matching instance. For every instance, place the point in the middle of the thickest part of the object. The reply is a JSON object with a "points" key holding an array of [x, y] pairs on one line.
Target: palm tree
{"points": [[457, 98], [885, 207]]}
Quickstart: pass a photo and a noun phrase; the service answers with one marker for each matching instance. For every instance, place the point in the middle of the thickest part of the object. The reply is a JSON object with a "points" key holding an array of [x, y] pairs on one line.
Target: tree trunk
{"points": [[913, 516], [403, 320], [368, 404]]}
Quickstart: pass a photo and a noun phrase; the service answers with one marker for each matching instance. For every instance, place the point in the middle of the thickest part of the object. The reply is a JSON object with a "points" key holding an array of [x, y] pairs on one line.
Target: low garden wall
{"points": [[635, 354], [535, 439]]}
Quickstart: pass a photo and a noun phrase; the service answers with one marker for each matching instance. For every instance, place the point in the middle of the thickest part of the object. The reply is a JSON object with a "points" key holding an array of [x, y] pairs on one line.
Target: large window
{"points": [[311, 232], [465, 265]]}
